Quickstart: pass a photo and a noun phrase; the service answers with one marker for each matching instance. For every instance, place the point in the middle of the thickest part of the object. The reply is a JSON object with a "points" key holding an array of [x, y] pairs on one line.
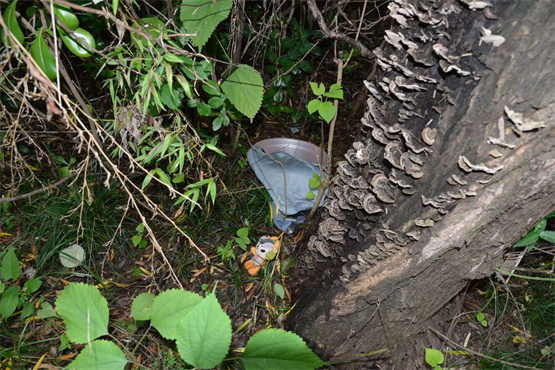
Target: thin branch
{"points": [[334, 35], [26, 195]]}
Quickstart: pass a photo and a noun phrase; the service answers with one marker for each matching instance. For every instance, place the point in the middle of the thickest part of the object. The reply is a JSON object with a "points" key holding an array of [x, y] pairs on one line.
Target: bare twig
{"points": [[26, 195], [334, 35]]}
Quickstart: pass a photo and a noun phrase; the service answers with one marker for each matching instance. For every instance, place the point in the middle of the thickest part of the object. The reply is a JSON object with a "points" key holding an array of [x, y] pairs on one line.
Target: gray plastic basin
{"points": [[297, 148]]}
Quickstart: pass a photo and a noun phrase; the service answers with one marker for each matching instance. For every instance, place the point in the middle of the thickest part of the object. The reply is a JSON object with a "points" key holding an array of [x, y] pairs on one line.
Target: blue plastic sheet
{"points": [[287, 180]]}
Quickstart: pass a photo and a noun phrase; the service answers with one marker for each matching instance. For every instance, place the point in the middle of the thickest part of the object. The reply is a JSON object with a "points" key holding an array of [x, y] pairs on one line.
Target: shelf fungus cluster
{"points": [[385, 168]]}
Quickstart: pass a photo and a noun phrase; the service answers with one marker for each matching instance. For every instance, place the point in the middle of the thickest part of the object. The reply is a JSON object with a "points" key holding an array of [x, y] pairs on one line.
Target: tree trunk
{"points": [[407, 224]]}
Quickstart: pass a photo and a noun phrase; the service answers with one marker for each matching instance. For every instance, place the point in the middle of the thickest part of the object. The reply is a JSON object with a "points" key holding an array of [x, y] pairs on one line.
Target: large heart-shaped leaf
{"points": [[84, 311], [169, 307], [278, 349], [202, 17], [141, 309], [244, 89], [99, 354], [204, 334]]}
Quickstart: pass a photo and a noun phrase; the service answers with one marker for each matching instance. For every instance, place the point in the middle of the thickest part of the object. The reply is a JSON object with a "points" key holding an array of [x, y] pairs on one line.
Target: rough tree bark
{"points": [[411, 218]]}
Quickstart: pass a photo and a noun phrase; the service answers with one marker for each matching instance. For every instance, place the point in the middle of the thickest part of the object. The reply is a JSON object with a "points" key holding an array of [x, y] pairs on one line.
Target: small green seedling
{"points": [[313, 183], [323, 106], [482, 319], [538, 232], [13, 296], [243, 238], [434, 358], [65, 171], [226, 253], [279, 290], [138, 240]]}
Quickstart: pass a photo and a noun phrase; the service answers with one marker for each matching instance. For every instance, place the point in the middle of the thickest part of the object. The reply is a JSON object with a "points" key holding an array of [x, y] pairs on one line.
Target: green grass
{"points": [[534, 307], [52, 222]]}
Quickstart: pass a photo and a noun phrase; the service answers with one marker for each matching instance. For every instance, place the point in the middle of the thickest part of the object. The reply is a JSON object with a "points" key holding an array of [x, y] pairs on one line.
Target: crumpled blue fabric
{"points": [[280, 171]]}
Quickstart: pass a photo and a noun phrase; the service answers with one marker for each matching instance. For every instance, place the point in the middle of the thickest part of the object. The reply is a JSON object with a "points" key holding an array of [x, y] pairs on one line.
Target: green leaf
{"points": [[211, 87], [317, 89], [66, 16], [84, 311], [80, 43], [147, 180], [140, 228], [32, 285], [242, 243], [136, 240], [11, 22], [541, 226], [336, 92], [530, 238], [279, 290], [214, 149], [2, 287], [10, 265], [204, 334], [286, 264], [99, 354], [327, 111], [314, 183], [310, 195], [143, 244], [244, 89], [313, 105], [215, 102], [243, 232], [179, 178], [141, 309], [169, 307], [9, 301], [28, 310], [548, 235], [458, 353], [43, 57], [172, 58], [171, 99], [479, 316], [185, 85], [46, 311], [221, 120], [278, 349], [164, 177], [433, 357], [152, 25], [202, 17], [204, 109], [484, 323], [115, 5], [211, 191]]}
